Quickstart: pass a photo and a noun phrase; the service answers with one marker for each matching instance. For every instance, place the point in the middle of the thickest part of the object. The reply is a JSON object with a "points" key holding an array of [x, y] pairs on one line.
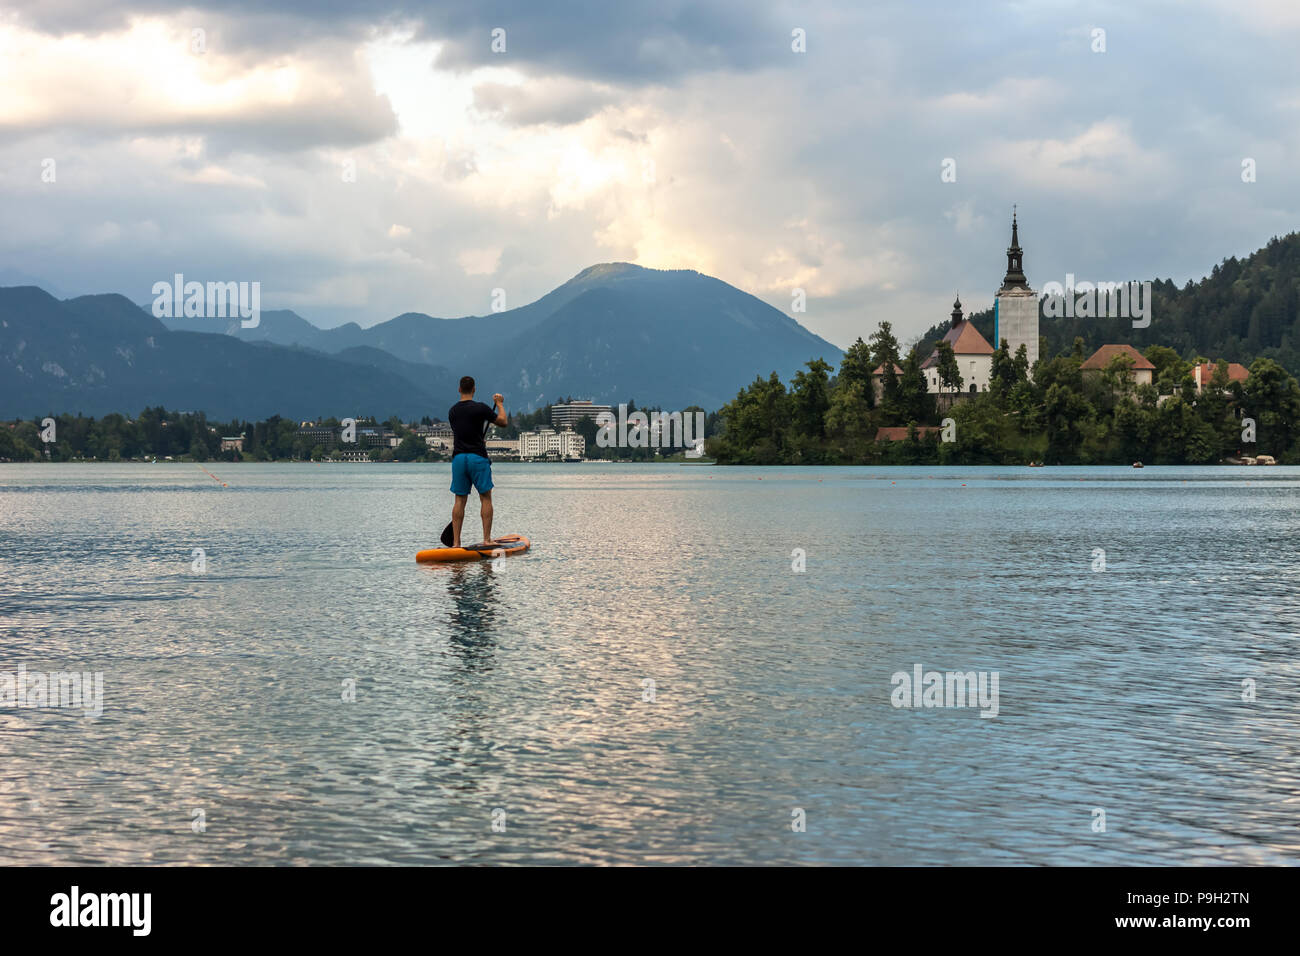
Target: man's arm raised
{"points": [[500, 402]]}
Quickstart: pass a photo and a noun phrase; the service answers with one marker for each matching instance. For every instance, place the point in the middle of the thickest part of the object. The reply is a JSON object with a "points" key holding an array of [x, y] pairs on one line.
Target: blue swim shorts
{"points": [[467, 469]]}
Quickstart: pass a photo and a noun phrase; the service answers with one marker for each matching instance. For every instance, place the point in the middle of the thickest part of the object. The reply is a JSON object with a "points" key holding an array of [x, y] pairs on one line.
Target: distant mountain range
{"points": [[101, 353], [613, 332]]}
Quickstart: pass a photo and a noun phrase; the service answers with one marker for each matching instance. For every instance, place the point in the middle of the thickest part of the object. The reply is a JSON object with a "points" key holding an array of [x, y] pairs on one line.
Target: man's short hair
{"points": [[466, 385]]}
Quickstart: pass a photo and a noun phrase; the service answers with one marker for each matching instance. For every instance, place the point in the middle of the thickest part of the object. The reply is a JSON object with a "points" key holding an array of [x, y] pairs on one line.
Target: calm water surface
{"points": [[520, 687]]}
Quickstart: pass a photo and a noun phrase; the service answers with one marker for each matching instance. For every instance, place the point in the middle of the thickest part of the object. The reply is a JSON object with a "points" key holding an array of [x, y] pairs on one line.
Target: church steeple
{"points": [[956, 312], [1015, 277]]}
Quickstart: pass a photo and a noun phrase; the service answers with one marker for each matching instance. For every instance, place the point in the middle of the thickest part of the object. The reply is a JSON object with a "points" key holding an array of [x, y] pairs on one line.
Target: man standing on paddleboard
{"points": [[470, 464]]}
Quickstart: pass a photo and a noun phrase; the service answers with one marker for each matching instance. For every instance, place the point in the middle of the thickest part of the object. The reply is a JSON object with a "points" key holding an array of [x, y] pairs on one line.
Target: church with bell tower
{"points": [[1015, 308]]}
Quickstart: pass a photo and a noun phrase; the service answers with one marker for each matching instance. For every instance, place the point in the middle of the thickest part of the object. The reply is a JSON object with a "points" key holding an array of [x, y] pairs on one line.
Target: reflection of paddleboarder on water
{"points": [[470, 464], [474, 610]]}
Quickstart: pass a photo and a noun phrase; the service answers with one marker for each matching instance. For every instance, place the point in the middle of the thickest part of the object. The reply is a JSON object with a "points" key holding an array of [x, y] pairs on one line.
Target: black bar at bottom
{"points": [[335, 906]]}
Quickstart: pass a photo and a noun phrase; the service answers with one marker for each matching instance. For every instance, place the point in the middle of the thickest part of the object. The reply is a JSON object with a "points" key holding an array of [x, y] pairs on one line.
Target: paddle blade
{"points": [[446, 536]]}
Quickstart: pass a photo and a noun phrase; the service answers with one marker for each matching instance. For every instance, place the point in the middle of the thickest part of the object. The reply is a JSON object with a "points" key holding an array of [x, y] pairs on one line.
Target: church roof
{"points": [[1101, 358], [965, 339]]}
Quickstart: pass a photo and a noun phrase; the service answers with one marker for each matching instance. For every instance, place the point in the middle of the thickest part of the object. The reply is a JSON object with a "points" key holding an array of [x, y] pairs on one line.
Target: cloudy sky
{"points": [[670, 134]]}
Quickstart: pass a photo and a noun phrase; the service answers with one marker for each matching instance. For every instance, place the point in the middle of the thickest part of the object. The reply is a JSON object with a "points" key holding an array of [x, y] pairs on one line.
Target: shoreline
{"points": [[677, 463]]}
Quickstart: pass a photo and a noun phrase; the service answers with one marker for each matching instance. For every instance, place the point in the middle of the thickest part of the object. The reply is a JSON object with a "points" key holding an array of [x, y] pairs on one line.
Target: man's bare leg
{"points": [[457, 519], [485, 512]]}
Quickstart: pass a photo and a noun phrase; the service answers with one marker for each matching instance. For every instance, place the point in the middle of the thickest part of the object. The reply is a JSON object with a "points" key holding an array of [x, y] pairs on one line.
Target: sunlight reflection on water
{"points": [[519, 686]]}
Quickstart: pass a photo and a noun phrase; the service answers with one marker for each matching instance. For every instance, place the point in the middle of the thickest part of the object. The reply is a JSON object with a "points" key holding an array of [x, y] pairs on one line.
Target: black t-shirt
{"points": [[469, 420]]}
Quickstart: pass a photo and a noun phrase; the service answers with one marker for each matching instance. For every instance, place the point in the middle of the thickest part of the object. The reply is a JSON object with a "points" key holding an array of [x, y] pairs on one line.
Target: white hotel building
{"points": [[548, 443], [569, 414]]}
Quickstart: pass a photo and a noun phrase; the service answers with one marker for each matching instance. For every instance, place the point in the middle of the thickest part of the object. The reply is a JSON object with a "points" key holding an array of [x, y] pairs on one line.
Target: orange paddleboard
{"points": [[507, 544]]}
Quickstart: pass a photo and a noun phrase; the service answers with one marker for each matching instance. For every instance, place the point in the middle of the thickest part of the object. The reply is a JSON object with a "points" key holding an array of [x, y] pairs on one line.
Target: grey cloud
{"points": [[613, 41], [854, 130], [555, 102]]}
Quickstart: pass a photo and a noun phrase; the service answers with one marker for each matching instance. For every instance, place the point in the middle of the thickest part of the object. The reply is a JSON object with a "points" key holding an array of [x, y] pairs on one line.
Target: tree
{"points": [[1170, 368], [1066, 413], [810, 395], [755, 424], [13, 448], [1021, 363], [856, 368], [410, 448], [1272, 398], [1118, 378], [915, 402], [848, 422], [885, 356], [946, 367], [1003, 375], [1181, 437]]}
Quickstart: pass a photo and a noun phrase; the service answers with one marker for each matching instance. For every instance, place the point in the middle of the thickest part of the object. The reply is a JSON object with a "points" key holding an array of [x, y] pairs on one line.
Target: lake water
{"points": [[521, 686]]}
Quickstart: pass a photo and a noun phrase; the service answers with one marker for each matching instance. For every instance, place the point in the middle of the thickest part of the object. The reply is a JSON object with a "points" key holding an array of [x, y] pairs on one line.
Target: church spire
{"points": [[1015, 277], [956, 312]]}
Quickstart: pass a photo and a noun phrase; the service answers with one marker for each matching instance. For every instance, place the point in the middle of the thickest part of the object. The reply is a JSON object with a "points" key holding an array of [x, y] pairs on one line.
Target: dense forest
{"points": [[161, 434], [1060, 415]]}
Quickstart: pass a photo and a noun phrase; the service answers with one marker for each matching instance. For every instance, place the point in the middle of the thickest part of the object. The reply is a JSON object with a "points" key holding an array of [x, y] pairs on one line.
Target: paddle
{"points": [[447, 537]]}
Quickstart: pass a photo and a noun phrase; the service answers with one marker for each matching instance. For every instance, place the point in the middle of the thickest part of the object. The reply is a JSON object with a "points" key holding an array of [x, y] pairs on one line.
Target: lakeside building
{"points": [[878, 381], [367, 436], [376, 436], [436, 430], [321, 434], [570, 413], [1203, 375], [973, 352], [1141, 372], [503, 448], [547, 443], [437, 436], [233, 444]]}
